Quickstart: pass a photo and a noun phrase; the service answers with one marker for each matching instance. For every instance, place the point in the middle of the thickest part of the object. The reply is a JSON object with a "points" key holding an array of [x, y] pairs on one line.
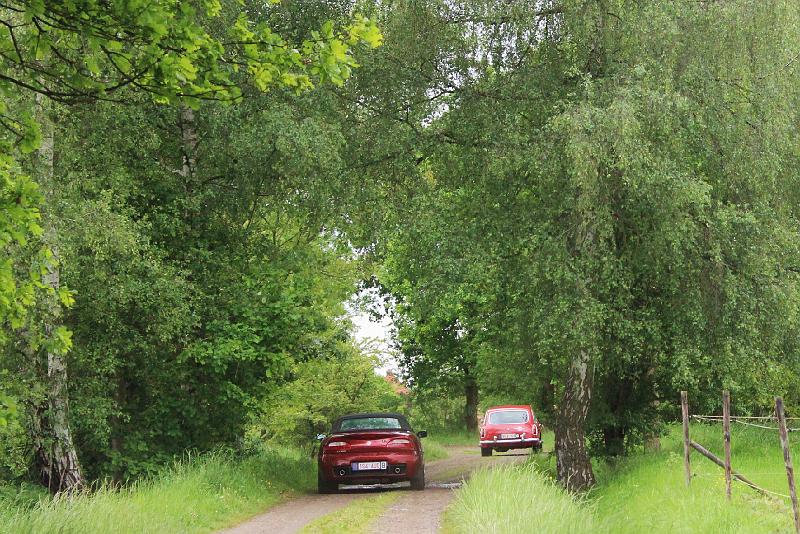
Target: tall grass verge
{"points": [[647, 492], [196, 495], [644, 492], [517, 499]]}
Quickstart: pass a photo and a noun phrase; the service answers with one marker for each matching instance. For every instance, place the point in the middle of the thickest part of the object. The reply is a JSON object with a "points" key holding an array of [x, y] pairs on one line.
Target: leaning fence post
{"points": [[787, 459], [685, 412], [726, 430]]}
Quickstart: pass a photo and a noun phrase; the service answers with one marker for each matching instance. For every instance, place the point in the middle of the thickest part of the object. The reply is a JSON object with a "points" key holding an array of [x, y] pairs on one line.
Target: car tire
{"points": [[326, 486], [486, 451], [418, 480]]}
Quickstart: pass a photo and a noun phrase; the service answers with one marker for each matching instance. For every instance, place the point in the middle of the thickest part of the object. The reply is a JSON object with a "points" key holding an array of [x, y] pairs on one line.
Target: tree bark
{"points": [[572, 463], [573, 468], [188, 142], [471, 404], [56, 456]]}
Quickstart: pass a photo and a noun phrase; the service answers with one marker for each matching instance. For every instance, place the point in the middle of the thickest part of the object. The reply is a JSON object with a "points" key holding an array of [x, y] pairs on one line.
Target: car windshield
{"points": [[371, 423], [508, 417]]}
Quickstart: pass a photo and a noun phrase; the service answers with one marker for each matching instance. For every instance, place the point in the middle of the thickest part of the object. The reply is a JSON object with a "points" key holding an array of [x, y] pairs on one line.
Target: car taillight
{"points": [[336, 444], [400, 443]]}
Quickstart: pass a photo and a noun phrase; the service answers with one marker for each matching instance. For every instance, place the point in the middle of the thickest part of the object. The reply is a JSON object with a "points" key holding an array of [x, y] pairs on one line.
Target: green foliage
{"points": [[19, 219], [623, 188], [8, 408], [321, 391], [91, 50], [437, 411], [195, 295], [14, 444]]}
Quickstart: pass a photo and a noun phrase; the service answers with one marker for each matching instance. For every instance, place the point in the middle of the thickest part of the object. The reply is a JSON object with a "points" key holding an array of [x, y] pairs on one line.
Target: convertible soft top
{"points": [[400, 417]]}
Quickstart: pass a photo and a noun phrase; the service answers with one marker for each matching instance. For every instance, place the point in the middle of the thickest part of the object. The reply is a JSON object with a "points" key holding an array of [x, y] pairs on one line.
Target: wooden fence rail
{"points": [[730, 474]]}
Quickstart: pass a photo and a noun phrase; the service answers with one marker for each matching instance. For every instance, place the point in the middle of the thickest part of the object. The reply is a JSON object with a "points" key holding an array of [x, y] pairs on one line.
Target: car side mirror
{"points": [[320, 437], [422, 434]]}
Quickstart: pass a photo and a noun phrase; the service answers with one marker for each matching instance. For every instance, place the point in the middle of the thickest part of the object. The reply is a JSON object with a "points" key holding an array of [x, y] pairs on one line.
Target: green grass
{"points": [[450, 438], [647, 491], [201, 494], [644, 492], [517, 499], [435, 445], [356, 517], [433, 450]]}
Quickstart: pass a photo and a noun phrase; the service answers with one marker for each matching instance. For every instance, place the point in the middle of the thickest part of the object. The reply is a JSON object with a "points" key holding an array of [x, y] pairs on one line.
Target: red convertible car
{"points": [[370, 448], [510, 427]]}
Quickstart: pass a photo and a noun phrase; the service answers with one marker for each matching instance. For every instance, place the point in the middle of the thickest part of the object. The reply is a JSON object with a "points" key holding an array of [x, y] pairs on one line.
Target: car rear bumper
{"points": [[511, 443], [400, 467]]}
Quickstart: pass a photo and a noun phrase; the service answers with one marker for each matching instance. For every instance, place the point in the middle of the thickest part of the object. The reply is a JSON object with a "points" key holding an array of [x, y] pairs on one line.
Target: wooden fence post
{"points": [[726, 430], [685, 412], [787, 459]]}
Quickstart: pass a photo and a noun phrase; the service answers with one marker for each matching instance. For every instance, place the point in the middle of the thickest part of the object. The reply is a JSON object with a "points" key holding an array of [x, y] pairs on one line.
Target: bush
{"points": [[323, 389]]}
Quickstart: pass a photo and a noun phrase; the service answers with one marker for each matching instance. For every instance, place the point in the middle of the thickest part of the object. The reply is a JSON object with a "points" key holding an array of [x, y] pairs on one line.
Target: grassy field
{"points": [[642, 493], [433, 450], [198, 495], [450, 439], [435, 445]]}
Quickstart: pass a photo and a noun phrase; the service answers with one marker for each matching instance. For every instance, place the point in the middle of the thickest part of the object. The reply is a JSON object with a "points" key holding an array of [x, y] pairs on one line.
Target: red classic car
{"points": [[510, 427], [370, 448]]}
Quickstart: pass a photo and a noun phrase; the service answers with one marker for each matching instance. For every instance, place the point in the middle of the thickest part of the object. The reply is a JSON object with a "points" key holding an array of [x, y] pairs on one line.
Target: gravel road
{"points": [[414, 512]]}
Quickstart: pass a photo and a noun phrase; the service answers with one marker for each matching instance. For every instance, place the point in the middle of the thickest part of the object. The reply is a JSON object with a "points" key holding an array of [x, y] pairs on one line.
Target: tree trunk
{"points": [[572, 463], [617, 394], [56, 456], [471, 404], [188, 143], [573, 468], [614, 440]]}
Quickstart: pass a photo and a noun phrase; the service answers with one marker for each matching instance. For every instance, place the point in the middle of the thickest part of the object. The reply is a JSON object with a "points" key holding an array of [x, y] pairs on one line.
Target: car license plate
{"points": [[509, 436], [368, 466]]}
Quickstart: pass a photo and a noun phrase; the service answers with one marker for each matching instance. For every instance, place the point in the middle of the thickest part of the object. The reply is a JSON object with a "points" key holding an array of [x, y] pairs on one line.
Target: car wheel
{"points": [[325, 486], [418, 481], [486, 451]]}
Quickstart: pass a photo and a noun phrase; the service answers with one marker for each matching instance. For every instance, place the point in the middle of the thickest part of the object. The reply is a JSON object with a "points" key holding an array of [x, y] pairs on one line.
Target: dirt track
{"points": [[414, 511]]}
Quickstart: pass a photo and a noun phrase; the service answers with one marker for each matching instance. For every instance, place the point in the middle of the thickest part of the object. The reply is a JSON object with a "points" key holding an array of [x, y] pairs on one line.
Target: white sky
{"points": [[371, 332]]}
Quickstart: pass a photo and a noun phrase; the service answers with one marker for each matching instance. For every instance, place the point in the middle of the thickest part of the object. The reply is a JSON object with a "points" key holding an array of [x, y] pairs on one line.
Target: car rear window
{"points": [[508, 417], [371, 423]]}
